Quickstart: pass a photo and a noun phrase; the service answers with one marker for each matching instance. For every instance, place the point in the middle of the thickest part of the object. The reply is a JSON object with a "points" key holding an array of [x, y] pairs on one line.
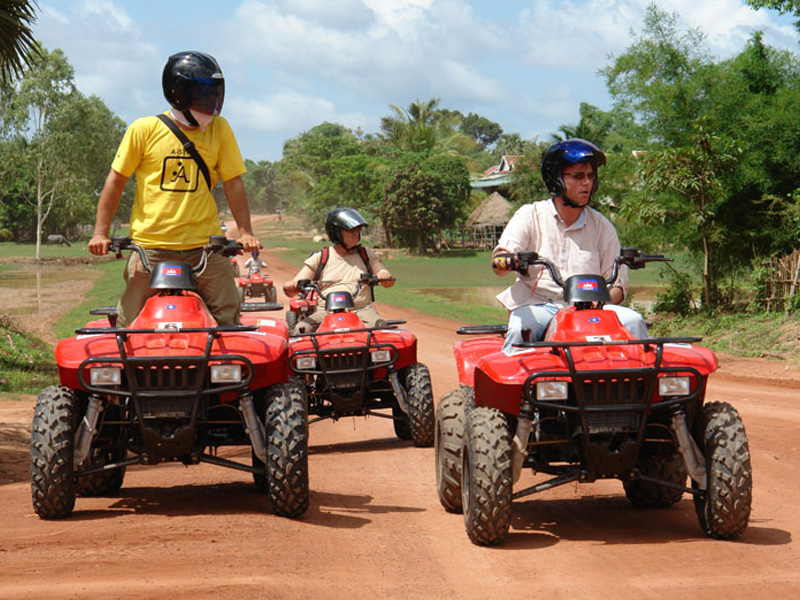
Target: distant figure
{"points": [[57, 238]]}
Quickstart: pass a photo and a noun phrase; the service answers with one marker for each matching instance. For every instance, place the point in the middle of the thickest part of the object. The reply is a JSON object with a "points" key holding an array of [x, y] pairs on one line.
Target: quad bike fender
{"points": [[183, 311], [574, 325], [678, 355], [469, 352], [267, 324]]}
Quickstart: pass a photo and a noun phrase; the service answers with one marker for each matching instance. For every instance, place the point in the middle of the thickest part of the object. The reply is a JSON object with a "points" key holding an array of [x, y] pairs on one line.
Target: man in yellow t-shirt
{"points": [[346, 262], [174, 212]]}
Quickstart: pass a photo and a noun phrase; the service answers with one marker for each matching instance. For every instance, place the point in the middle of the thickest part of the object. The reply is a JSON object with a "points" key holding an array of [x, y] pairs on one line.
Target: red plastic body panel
{"points": [[403, 340], [498, 379], [266, 348]]}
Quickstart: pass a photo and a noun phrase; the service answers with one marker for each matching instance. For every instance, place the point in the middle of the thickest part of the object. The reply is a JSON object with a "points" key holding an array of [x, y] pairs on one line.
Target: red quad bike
{"points": [[589, 402], [353, 370], [173, 386], [256, 285]]}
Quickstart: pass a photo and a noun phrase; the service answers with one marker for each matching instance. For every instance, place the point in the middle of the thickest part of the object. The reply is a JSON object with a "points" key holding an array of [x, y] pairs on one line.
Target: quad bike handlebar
{"points": [[630, 257], [306, 286], [216, 243]]}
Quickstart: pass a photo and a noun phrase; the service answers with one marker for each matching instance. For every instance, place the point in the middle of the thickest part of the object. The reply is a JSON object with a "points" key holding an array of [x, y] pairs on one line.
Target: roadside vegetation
{"points": [[702, 166]]}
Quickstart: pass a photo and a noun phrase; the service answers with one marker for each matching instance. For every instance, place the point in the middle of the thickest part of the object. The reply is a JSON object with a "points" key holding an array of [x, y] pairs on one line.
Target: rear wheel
{"points": [[103, 483], [419, 392], [448, 442], [271, 294], [53, 486], [486, 476], [241, 295], [665, 464], [724, 509], [287, 449]]}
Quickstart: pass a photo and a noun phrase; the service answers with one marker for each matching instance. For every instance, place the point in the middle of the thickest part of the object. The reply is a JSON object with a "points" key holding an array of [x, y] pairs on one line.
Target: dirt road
{"points": [[375, 528]]}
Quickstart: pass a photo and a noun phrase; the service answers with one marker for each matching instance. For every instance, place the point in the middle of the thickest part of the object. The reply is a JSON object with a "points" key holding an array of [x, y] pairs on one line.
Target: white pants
{"points": [[536, 317]]}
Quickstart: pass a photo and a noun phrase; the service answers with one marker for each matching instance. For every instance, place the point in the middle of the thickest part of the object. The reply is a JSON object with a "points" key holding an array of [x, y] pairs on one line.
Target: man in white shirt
{"points": [[566, 230]]}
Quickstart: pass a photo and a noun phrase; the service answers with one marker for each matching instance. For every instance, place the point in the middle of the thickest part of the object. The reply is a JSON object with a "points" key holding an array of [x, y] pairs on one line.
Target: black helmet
{"points": [[193, 81], [342, 218], [566, 153]]}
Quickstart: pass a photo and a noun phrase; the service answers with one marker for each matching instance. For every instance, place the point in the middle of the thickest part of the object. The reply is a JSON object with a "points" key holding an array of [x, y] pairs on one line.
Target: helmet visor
{"points": [[349, 218], [574, 152], [206, 95]]}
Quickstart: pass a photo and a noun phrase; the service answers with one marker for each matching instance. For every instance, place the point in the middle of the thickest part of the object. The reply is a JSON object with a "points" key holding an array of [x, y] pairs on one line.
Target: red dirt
{"points": [[375, 528]]}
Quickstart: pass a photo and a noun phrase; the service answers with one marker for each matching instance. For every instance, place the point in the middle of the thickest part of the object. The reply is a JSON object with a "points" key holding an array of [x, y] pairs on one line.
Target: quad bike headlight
{"points": [[552, 390], [306, 362], [226, 373], [379, 356], [673, 386], [105, 375]]}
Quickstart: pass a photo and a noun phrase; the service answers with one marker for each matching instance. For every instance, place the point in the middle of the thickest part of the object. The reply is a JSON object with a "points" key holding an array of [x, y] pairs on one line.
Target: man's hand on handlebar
{"points": [[505, 262], [99, 244]]}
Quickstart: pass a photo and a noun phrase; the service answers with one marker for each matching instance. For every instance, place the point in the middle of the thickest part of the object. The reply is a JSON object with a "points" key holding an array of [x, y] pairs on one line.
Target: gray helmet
{"points": [[566, 153], [342, 218], [193, 81]]}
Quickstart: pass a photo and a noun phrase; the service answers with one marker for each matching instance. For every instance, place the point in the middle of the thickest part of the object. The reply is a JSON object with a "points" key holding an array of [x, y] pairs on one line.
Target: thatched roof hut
{"points": [[495, 210]]}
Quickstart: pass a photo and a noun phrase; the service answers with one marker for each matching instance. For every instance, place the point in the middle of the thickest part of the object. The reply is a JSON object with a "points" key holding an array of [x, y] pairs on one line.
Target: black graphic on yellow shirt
{"points": [[179, 174]]}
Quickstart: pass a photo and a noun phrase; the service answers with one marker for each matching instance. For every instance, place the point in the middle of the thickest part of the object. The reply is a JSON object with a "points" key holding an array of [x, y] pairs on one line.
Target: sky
{"points": [[290, 65]]}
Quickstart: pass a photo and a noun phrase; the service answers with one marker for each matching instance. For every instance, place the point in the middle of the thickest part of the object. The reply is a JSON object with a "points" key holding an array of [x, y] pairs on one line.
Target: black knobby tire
{"points": [[53, 486], [103, 483], [271, 295], [449, 440], [486, 476], [287, 449], [402, 428], [241, 295], [724, 510], [419, 395], [291, 320], [665, 464]]}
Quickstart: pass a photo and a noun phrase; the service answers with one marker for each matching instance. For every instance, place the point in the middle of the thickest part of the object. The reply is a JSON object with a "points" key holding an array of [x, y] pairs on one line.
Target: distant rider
{"points": [[344, 263], [254, 264]]}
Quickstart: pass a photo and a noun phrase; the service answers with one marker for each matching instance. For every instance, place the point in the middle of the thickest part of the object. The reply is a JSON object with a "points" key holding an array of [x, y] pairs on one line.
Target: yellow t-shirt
{"points": [[174, 208]]}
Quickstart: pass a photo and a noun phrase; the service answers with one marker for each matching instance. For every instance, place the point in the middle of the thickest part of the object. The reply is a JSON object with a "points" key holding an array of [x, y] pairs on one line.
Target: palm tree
{"points": [[421, 128], [17, 44]]}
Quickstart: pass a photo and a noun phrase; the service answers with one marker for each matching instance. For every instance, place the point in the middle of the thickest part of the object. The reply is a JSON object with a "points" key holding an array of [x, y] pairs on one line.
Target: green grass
{"points": [[26, 363], [106, 291]]}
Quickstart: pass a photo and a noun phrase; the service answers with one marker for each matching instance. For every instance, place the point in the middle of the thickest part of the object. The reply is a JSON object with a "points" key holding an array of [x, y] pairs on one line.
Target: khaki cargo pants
{"points": [[216, 285]]}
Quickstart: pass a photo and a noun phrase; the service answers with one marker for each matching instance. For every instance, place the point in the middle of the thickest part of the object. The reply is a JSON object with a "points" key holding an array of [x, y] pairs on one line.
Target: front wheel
{"points": [[486, 476], [102, 483], [55, 420], [419, 392], [448, 442], [287, 449], [665, 464], [241, 295], [724, 508], [271, 295], [291, 320]]}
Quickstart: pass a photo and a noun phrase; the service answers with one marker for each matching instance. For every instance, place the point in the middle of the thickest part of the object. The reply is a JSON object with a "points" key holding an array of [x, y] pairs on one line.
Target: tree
{"points": [[694, 174], [63, 143], [423, 128], [482, 130], [782, 6], [422, 196], [17, 45]]}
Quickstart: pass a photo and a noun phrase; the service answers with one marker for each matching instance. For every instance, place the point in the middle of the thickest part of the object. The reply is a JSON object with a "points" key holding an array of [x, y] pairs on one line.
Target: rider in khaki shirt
{"points": [[344, 267], [566, 230]]}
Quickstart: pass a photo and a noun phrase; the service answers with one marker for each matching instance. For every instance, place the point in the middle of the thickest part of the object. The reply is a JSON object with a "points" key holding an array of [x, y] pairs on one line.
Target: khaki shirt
{"points": [[341, 273], [588, 246]]}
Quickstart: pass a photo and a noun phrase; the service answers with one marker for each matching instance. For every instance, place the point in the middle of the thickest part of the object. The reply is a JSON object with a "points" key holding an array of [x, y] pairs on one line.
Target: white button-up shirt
{"points": [[588, 246]]}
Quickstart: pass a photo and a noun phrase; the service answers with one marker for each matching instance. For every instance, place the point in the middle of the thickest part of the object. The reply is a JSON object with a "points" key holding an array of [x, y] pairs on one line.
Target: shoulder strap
{"points": [[323, 260], [188, 145], [365, 257]]}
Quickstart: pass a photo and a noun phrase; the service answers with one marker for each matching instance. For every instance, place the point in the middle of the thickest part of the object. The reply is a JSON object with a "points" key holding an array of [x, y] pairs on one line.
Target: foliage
{"points": [[422, 196], [17, 44], [481, 129], [56, 148], [677, 297], [26, 364]]}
